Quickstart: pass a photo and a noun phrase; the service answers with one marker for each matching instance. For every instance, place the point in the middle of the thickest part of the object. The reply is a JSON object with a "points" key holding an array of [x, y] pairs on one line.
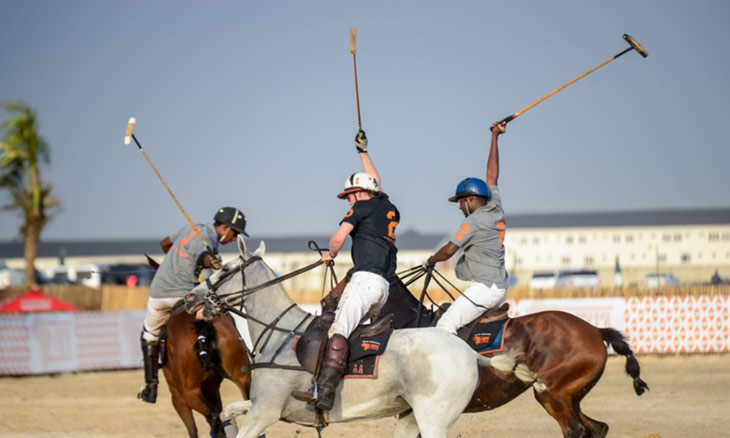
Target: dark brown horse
{"points": [[566, 354], [193, 387]]}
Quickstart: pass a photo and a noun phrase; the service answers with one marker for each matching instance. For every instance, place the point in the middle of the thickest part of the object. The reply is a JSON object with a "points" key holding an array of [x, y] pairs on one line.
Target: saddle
{"points": [[205, 345], [366, 343]]}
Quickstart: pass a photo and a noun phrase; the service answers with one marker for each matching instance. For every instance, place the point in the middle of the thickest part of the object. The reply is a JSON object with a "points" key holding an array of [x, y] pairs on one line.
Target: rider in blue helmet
{"points": [[481, 236]]}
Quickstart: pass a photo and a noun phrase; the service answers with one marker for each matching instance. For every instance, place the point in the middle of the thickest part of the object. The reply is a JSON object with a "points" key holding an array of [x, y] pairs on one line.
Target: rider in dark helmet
{"points": [[481, 236], [177, 275]]}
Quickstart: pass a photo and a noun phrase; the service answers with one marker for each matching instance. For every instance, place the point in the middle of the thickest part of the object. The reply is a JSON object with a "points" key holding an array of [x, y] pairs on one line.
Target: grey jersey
{"points": [[481, 237], [176, 275]]}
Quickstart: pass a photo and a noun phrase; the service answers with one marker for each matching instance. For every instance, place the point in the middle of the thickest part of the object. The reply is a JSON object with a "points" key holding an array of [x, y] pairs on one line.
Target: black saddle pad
{"points": [[488, 337]]}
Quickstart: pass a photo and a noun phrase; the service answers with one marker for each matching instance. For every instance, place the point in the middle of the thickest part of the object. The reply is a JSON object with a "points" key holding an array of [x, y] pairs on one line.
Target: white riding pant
{"points": [[365, 290], [158, 312], [476, 299]]}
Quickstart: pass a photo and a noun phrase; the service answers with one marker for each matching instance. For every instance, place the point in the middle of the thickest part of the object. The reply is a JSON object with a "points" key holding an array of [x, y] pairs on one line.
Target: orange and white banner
{"points": [[41, 343]]}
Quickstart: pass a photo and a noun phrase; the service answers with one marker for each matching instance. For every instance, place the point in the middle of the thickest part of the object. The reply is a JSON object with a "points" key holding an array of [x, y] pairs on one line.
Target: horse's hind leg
{"points": [[598, 429], [185, 413], [561, 409], [406, 426]]}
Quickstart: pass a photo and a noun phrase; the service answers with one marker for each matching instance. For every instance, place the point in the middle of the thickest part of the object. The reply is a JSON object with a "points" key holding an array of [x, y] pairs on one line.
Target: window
{"points": [[535, 240], [565, 260], [569, 240], [582, 239], [523, 241], [588, 261], [725, 236], [629, 238], [685, 257], [661, 258], [677, 237], [666, 237], [616, 238], [713, 237]]}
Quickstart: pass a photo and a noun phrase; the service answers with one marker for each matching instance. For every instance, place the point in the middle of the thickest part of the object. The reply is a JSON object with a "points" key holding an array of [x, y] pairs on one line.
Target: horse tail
{"points": [[507, 363], [617, 341]]}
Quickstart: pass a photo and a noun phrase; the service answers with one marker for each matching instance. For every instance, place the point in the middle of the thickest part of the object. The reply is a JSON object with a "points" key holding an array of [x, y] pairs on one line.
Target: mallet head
{"points": [[130, 130], [633, 43]]}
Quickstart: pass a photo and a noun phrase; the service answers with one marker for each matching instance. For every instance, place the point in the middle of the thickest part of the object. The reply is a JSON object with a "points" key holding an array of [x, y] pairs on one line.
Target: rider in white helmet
{"points": [[370, 222]]}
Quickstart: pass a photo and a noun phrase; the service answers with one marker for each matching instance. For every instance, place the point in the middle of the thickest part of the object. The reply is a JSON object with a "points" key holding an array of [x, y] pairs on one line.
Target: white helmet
{"points": [[359, 181]]}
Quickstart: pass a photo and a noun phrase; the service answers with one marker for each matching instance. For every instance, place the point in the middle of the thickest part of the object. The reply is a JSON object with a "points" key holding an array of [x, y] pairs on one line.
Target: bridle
{"points": [[233, 302]]}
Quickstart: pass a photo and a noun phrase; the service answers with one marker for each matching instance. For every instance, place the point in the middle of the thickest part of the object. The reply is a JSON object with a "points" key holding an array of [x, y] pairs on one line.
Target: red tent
{"points": [[35, 301]]}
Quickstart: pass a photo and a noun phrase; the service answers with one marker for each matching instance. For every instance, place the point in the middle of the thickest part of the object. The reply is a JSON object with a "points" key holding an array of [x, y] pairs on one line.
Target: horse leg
{"points": [[406, 426], [561, 409], [256, 422], [211, 398], [184, 412], [597, 428]]}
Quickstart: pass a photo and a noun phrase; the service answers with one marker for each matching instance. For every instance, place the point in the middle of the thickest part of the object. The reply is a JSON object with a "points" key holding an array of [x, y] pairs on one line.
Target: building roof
{"points": [[407, 240]]}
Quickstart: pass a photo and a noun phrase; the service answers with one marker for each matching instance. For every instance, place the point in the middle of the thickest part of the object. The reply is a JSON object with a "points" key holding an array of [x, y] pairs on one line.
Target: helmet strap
{"points": [[466, 205]]}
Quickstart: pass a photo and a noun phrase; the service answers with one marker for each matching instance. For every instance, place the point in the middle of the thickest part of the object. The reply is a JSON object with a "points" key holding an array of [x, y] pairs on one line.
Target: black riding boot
{"points": [[150, 351]]}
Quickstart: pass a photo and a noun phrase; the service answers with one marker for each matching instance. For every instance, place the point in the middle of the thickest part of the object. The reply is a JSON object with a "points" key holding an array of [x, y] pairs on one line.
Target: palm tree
{"points": [[22, 151]]}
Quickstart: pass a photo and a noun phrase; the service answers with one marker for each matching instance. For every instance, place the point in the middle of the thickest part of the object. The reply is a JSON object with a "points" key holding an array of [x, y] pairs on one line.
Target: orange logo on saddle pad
{"points": [[370, 346], [478, 340]]}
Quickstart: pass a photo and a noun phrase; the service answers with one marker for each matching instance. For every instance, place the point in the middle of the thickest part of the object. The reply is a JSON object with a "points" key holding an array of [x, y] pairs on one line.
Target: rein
{"points": [[229, 302]]}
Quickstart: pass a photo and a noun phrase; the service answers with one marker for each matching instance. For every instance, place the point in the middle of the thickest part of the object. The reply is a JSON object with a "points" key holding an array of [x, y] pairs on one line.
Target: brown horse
{"points": [[566, 354], [191, 385]]}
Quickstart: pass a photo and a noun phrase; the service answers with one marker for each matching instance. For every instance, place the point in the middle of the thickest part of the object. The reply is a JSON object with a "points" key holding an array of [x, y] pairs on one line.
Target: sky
{"points": [[252, 104]]}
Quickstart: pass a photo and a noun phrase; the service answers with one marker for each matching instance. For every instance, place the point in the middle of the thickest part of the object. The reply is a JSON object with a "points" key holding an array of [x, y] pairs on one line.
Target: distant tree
{"points": [[22, 151]]}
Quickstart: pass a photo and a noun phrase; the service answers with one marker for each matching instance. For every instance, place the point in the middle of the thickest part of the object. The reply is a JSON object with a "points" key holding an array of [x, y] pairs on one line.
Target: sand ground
{"points": [[689, 397]]}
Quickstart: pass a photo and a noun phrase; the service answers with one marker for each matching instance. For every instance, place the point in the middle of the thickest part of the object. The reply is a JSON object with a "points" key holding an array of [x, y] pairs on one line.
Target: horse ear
{"points": [[242, 246], [261, 250]]}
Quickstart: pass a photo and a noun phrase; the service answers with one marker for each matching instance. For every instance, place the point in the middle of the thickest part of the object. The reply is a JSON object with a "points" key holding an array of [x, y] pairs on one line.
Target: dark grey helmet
{"points": [[233, 218]]}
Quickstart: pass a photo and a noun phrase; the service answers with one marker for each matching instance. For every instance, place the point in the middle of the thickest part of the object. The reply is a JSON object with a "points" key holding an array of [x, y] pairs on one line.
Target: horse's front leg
{"points": [[257, 420]]}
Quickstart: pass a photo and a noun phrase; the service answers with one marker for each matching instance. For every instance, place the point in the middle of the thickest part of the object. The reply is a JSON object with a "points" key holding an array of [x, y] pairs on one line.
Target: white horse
{"points": [[428, 370]]}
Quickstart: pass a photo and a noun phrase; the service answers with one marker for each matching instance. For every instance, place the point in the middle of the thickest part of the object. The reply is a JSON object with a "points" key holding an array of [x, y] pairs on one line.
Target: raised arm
{"points": [[361, 144], [493, 160]]}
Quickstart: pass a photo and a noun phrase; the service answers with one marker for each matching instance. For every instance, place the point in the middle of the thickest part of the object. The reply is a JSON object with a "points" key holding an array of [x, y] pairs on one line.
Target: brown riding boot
{"points": [[150, 351], [333, 368]]}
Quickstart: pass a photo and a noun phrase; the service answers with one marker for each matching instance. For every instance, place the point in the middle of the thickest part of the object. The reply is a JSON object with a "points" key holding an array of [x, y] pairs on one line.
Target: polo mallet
{"points": [[634, 45], [128, 136], [353, 49]]}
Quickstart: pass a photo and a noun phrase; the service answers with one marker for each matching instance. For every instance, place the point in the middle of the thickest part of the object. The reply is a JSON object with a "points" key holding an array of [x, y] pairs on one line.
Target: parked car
{"points": [[10, 277], [661, 279], [579, 279], [576, 279], [84, 274], [543, 280]]}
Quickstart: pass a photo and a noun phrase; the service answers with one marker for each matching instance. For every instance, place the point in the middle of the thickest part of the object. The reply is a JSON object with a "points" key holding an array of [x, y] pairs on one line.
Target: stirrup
{"points": [[306, 396]]}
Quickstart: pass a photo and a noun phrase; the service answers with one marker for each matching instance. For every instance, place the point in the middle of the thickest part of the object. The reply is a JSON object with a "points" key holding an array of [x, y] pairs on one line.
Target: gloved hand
{"points": [[428, 264], [361, 142], [216, 262]]}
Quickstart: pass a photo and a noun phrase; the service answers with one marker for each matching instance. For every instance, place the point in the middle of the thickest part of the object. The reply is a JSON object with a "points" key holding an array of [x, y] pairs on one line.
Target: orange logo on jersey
{"points": [[462, 231], [502, 227], [391, 225], [349, 213]]}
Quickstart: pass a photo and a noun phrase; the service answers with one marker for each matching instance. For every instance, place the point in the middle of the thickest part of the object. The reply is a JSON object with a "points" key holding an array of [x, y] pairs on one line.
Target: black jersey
{"points": [[373, 235]]}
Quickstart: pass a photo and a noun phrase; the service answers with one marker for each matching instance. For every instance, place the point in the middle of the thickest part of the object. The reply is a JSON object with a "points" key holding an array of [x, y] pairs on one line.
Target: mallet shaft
{"points": [[634, 45], [353, 49], [130, 134]]}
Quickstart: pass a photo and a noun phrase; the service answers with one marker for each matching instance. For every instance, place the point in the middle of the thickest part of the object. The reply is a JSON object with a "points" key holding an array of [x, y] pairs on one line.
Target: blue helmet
{"points": [[470, 187]]}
